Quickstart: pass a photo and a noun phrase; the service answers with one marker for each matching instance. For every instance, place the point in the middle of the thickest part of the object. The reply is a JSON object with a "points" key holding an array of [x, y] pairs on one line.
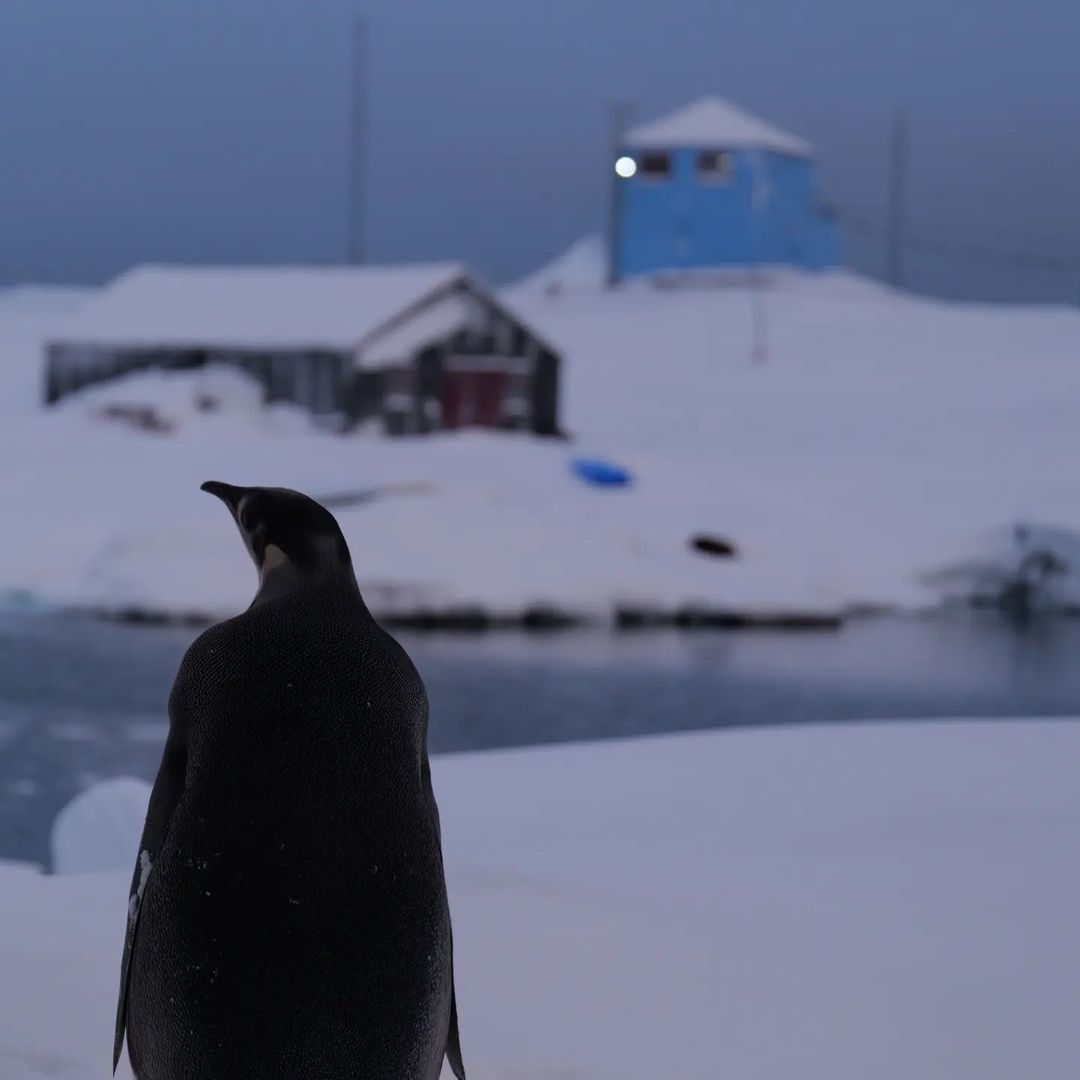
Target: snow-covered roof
{"points": [[407, 336], [257, 307], [714, 122]]}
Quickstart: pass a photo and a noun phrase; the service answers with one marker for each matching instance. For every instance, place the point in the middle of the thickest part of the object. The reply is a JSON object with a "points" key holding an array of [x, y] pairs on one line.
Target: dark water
{"points": [[83, 700]]}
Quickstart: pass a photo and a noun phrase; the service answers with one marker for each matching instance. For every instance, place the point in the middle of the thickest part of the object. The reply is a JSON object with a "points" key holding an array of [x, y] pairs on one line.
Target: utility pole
{"points": [[357, 193], [898, 168], [620, 112]]}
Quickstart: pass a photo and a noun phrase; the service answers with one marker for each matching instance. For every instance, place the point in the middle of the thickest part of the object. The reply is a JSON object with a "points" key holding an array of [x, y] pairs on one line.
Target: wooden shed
{"points": [[421, 348]]}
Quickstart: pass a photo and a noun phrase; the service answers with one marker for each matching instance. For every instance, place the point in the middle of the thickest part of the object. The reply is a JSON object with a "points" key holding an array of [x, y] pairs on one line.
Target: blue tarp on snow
{"points": [[601, 473]]}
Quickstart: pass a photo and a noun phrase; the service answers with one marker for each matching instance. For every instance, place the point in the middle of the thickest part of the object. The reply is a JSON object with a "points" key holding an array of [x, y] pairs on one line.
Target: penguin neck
{"points": [[286, 579]]}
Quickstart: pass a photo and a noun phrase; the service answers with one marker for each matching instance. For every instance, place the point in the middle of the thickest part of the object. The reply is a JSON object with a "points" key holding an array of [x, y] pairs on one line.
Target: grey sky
{"points": [[215, 131]]}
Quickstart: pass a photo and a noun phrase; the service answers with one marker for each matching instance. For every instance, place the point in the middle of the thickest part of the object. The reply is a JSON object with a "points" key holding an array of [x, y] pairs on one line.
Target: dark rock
{"points": [[718, 547]]}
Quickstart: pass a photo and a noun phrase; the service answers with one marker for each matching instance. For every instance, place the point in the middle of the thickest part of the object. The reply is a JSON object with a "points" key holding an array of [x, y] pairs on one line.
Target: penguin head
{"points": [[284, 531]]}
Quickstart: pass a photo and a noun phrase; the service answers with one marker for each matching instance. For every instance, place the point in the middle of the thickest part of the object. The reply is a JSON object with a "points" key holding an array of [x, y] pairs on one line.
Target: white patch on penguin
{"points": [[273, 557], [145, 866]]}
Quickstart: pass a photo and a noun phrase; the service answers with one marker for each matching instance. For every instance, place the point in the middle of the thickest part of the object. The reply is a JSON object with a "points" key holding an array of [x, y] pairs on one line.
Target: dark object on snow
{"points": [[288, 914], [1039, 565], [710, 544], [143, 417], [601, 473], [1019, 598]]}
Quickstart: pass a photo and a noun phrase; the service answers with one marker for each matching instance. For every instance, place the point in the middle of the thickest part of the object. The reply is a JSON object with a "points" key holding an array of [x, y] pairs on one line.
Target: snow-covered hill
{"points": [[883, 438]]}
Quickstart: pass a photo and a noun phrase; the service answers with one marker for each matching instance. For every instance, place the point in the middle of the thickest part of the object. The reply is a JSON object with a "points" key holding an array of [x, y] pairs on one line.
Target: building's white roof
{"points": [[255, 307], [435, 323], [715, 123]]}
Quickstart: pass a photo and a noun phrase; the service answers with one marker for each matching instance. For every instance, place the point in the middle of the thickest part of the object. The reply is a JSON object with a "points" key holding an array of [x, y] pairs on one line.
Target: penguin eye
{"points": [[248, 517]]}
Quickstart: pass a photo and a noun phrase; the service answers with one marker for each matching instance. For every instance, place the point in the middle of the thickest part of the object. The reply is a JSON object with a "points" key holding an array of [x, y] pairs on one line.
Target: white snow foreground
{"points": [[893, 901], [886, 437]]}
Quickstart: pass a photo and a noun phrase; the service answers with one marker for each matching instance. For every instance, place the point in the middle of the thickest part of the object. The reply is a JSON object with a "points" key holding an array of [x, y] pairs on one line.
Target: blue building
{"points": [[712, 186]]}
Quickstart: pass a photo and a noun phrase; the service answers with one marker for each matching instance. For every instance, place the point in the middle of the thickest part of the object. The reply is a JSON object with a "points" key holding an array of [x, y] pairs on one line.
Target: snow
{"points": [[892, 901], [886, 441], [253, 307], [167, 401], [436, 323], [886, 436], [713, 122], [582, 266], [100, 828]]}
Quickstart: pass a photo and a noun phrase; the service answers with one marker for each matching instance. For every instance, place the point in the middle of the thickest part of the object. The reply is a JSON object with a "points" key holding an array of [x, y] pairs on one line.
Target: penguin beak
{"points": [[229, 494]]}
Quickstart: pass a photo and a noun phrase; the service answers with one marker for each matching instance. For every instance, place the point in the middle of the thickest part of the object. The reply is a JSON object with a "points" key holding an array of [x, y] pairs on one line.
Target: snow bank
{"points": [[164, 402], [892, 901], [100, 828], [885, 437]]}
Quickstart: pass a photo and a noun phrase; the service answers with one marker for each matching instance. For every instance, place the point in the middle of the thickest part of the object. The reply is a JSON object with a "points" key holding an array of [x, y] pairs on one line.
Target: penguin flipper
{"points": [[453, 1040], [168, 787]]}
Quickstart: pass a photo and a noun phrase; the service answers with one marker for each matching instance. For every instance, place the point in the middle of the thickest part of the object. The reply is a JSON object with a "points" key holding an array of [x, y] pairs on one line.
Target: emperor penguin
{"points": [[288, 917]]}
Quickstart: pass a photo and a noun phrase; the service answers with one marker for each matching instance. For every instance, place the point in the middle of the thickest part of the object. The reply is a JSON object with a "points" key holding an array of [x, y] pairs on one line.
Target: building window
{"points": [[655, 164], [716, 166]]}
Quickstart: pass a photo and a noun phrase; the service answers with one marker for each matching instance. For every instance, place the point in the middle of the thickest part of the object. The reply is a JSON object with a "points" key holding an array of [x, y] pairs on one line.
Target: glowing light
{"points": [[626, 167]]}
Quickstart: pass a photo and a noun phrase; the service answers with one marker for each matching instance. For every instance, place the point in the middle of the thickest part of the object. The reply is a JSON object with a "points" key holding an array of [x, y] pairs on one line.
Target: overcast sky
{"points": [[215, 130]]}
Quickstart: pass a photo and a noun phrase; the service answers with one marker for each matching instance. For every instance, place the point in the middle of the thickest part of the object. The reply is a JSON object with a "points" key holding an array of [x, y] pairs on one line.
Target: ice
{"points": [[99, 829]]}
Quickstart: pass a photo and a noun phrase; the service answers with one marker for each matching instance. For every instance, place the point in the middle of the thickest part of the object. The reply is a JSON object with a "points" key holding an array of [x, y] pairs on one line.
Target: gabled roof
{"points": [[712, 123], [257, 307]]}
